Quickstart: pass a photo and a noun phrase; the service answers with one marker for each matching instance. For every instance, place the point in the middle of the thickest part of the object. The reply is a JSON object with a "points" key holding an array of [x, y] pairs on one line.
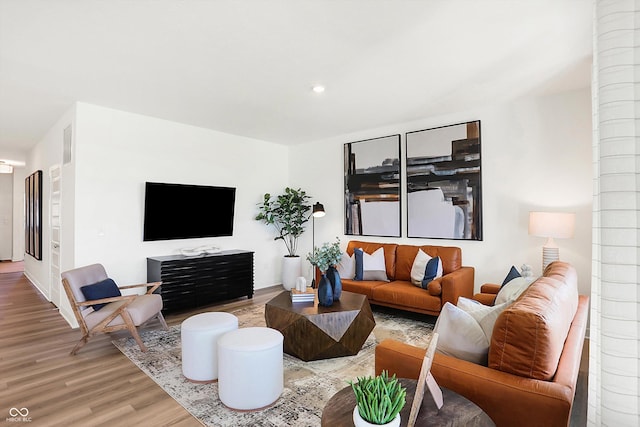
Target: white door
{"points": [[6, 216], [54, 226]]}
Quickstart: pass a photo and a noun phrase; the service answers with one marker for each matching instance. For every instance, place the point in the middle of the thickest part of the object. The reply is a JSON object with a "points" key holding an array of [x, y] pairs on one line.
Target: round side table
{"points": [[456, 411]]}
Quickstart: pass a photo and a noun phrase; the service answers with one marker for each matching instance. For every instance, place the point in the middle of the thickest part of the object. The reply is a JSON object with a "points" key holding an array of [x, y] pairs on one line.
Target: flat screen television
{"points": [[179, 211]]}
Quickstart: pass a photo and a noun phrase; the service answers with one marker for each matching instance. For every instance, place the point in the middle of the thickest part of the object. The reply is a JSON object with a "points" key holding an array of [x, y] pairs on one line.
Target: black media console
{"points": [[189, 282]]}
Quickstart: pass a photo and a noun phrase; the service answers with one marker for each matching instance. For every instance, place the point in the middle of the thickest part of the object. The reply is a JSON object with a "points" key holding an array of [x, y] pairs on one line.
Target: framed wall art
{"points": [[372, 187], [444, 185], [33, 215]]}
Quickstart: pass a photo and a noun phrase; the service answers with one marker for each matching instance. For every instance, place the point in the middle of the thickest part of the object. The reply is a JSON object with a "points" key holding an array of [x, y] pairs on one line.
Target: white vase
{"points": [[360, 422], [291, 270]]}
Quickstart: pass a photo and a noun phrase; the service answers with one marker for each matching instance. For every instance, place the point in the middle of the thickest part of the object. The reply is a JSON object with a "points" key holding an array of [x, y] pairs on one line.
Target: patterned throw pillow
{"points": [[370, 267]]}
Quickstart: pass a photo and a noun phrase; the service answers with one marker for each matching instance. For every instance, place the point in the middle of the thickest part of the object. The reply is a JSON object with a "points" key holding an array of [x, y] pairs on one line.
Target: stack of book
{"points": [[308, 296]]}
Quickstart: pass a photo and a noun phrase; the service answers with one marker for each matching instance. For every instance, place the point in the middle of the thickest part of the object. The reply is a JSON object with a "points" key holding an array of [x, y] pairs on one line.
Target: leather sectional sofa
{"points": [[399, 292], [534, 356]]}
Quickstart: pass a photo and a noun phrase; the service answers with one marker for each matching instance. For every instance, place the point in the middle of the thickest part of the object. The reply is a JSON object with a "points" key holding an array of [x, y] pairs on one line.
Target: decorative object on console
{"points": [[372, 187], [379, 400], [326, 258], [558, 225], [287, 213], [444, 192], [316, 212]]}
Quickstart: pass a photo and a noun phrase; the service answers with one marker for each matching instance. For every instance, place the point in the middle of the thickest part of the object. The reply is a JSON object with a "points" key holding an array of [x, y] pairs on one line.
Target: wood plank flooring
{"points": [[99, 386]]}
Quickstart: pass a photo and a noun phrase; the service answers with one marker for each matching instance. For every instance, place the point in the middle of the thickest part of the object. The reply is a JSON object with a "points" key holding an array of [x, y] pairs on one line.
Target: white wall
{"points": [[19, 176], [45, 154], [536, 155], [116, 152], [6, 216]]}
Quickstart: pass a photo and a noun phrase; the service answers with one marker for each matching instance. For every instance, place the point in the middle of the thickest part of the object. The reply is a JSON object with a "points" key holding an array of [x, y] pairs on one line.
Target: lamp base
{"points": [[549, 254]]}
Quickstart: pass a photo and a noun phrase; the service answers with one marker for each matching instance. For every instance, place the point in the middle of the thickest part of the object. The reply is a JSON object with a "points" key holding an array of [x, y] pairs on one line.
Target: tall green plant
{"points": [[288, 213], [380, 398]]}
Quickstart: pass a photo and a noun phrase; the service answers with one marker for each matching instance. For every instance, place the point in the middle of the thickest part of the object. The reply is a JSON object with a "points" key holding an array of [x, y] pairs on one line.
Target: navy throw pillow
{"points": [[104, 289], [513, 274], [430, 271], [358, 255]]}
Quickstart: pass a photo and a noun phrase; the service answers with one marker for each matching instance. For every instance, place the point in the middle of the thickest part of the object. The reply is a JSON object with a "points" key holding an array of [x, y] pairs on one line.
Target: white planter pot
{"points": [[291, 270], [360, 422]]}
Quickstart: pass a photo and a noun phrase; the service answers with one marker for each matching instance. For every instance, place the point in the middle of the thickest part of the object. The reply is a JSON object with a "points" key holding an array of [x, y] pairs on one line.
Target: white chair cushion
{"points": [[143, 308]]}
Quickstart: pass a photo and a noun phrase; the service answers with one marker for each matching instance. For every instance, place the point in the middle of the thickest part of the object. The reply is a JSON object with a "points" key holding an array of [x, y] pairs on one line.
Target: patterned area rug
{"points": [[307, 385]]}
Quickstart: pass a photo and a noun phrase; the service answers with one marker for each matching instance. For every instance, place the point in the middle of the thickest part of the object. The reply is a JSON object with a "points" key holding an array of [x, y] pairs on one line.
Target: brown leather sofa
{"points": [[399, 292], [534, 356]]}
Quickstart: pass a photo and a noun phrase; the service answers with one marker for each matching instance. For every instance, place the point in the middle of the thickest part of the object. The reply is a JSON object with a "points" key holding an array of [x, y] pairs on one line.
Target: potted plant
{"points": [[325, 258], [379, 400], [288, 213]]}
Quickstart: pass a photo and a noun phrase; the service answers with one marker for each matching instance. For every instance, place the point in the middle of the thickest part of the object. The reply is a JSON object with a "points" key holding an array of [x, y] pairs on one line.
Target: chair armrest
{"points": [[106, 300], [153, 286], [490, 288], [488, 293], [456, 284]]}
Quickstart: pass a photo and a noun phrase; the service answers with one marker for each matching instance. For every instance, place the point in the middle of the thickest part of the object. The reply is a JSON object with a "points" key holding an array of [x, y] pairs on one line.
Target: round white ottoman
{"points": [[250, 368], [199, 335]]}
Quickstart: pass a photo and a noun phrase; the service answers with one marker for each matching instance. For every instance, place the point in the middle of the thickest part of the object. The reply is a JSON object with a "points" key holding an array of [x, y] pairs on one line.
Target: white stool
{"points": [[199, 335], [250, 368]]}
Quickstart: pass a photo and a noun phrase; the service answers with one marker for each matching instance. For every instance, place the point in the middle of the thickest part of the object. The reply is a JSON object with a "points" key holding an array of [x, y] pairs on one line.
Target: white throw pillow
{"points": [[512, 290], [347, 267], [417, 269], [373, 266], [460, 336], [485, 315]]}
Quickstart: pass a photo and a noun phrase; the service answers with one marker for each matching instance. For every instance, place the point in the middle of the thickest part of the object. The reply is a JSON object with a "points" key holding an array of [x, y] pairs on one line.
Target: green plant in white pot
{"points": [[288, 214], [379, 401]]}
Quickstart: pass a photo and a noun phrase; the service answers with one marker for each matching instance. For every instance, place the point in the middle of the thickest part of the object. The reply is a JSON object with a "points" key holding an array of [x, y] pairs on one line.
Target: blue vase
{"points": [[325, 293], [336, 283]]}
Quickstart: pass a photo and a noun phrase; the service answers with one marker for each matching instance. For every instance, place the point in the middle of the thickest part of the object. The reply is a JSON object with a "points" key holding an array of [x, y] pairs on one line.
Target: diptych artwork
{"points": [[372, 187], [443, 185]]}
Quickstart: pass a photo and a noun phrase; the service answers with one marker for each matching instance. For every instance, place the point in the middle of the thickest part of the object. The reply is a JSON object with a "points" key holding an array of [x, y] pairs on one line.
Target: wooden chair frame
{"points": [[103, 326]]}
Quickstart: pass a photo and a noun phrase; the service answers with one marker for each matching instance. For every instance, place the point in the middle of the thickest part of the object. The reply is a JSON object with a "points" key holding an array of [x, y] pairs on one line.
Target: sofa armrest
{"points": [[456, 284], [506, 398]]}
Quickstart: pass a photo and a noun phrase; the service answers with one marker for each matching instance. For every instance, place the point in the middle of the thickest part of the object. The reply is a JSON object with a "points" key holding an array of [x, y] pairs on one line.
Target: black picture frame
{"points": [[372, 187], [444, 182], [33, 215]]}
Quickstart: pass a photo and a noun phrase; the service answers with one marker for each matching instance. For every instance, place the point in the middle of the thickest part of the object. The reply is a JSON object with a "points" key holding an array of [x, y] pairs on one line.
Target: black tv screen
{"points": [[178, 211]]}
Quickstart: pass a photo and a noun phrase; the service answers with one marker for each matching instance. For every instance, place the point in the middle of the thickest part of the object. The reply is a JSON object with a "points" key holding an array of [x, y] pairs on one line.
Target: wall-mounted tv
{"points": [[179, 211]]}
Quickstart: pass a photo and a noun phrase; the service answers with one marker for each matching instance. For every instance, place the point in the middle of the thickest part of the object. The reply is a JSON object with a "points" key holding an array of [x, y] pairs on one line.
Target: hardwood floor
{"points": [[99, 386]]}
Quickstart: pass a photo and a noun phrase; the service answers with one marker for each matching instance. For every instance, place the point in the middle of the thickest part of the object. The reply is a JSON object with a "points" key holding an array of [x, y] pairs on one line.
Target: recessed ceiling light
{"points": [[318, 88]]}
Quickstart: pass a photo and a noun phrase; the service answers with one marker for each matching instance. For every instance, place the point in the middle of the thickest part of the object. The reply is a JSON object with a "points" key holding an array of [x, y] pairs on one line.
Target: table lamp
{"points": [[558, 225]]}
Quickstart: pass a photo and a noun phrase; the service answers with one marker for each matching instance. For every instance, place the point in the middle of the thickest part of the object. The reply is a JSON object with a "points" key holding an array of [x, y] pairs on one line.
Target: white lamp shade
{"points": [[559, 225]]}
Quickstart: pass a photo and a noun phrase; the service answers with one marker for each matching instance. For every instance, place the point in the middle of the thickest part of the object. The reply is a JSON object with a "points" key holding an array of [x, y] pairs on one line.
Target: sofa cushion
{"points": [[370, 247], [401, 293], [364, 287], [529, 335], [405, 254]]}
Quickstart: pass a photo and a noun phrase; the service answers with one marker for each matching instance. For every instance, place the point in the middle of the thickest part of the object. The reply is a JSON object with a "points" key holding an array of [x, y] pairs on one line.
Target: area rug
{"points": [[307, 385]]}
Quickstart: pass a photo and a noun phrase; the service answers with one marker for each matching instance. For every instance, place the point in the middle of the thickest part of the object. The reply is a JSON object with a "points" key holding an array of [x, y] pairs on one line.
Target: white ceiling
{"points": [[246, 67]]}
